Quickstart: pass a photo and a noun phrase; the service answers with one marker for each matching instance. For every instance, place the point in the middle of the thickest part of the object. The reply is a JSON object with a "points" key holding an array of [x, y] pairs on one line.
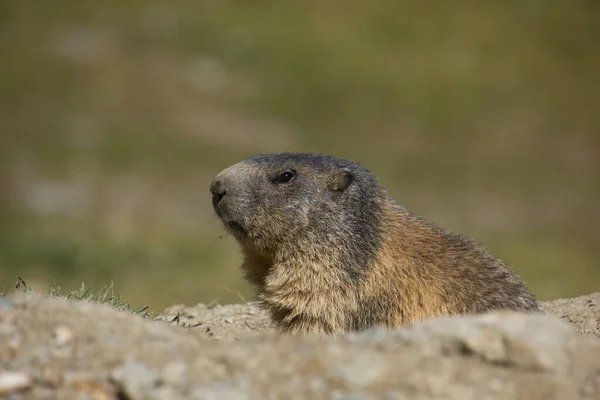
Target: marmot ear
{"points": [[341, 179]]}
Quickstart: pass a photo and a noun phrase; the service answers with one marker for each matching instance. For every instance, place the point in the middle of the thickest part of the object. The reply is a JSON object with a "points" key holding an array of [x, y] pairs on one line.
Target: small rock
{"points": [[488, 343], [134, 379], [62, 335], [61, 342], [12, 382], [228, 320]]}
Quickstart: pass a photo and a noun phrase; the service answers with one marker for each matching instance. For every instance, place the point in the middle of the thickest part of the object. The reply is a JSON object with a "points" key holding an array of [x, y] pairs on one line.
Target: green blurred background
{"points": [[115, 116]]}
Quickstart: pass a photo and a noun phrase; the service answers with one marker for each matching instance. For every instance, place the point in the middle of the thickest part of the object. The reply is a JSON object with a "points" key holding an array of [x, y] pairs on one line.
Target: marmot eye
{"points": [[285, 177]]}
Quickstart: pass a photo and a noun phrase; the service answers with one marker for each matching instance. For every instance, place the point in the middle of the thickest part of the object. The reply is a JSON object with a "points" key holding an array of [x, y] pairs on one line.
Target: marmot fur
{"points": [[329, 252]]}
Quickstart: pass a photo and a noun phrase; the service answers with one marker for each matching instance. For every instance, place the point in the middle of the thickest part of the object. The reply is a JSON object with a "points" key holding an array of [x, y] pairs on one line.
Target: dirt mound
{"points": [[55, 348]]}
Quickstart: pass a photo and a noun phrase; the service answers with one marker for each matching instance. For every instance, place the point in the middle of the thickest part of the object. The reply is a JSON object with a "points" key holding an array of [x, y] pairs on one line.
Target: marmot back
{"points": [[329, 252]]}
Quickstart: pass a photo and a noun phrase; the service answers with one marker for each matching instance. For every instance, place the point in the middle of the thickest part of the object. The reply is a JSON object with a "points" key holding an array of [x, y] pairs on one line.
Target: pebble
{"points": [[61, 342], [62, 335], [11, 382], [135, 379], [228, 320], [488, 343]]}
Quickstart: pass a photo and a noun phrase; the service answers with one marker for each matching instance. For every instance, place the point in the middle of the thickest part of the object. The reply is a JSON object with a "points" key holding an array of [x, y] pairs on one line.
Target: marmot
{"points": [[329, 252]]}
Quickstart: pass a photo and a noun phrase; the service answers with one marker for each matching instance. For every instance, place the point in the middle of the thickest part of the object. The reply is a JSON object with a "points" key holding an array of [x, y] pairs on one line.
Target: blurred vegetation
{"points": [[116, 115]]}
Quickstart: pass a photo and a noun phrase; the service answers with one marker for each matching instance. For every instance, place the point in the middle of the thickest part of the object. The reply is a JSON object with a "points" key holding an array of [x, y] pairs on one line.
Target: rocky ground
{"points": [[53, 348]]}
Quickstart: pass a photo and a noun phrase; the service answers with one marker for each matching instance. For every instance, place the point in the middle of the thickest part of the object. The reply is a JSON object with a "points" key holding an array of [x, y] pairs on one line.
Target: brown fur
{"points": [[293, 246]]}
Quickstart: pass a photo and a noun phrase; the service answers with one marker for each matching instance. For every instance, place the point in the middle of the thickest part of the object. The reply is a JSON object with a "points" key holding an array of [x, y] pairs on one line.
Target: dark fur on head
{"points": [[329, 252], [272, 217]]}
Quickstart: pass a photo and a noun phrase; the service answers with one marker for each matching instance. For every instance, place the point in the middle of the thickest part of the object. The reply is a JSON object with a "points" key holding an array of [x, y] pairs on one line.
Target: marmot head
{"points": [[274, 202]]}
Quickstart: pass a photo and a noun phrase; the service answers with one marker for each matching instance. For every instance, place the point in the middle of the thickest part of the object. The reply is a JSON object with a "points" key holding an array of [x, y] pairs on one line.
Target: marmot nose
{"points": [[218, 191]]}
